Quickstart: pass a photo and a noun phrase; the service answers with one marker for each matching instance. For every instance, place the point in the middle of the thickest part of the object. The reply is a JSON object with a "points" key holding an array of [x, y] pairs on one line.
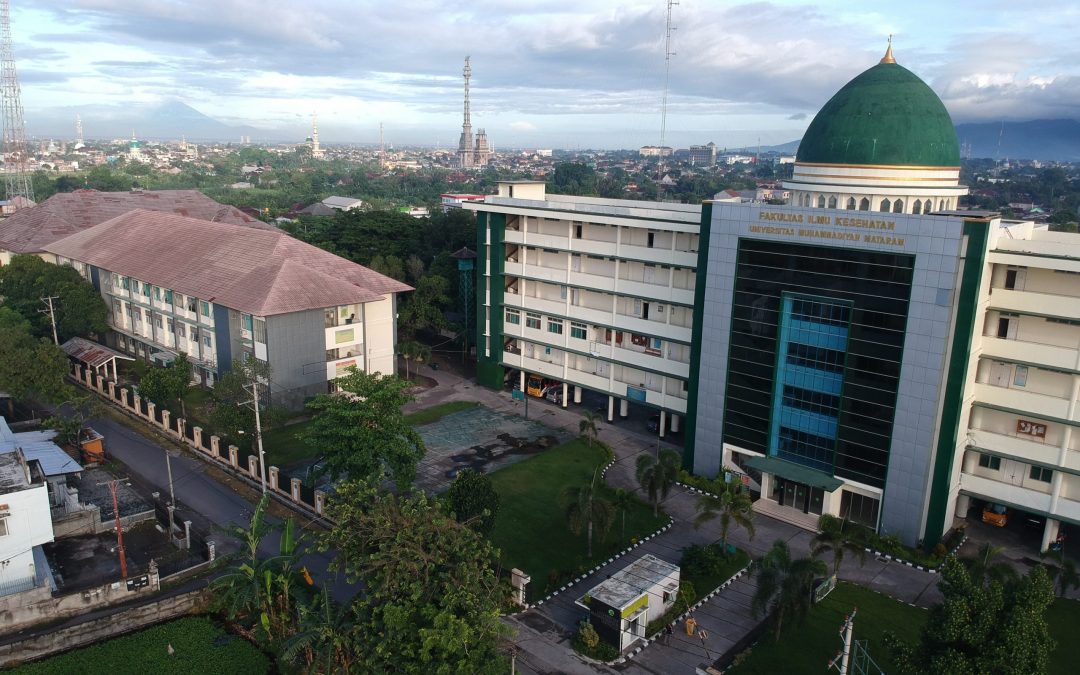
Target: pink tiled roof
{"points": [[260, 272], [65, 213]]}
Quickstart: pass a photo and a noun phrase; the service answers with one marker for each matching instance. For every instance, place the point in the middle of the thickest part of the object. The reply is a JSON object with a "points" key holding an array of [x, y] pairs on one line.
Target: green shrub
{"points": [[702, 561]]}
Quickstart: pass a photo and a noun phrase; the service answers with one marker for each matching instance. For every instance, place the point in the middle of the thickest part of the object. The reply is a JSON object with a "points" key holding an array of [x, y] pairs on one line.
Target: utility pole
{"points": [[119, 526], [172, 495], [841, 660], [48, 300], [258, 427]]}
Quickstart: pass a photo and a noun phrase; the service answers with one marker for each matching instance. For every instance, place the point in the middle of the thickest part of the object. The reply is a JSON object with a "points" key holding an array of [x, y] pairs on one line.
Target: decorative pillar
{"points": [[187, 534], [253, 466], [151, 412], [577, 394], [519, 581], [663, 422], [234, 456], [110, 389], [610, 408], [215, 446], [181, 428], [196, 434], [624, 408], [294, 489], [154, 574], [211, 551], [674, 423], [565, 394], [320, 501], [274, 478], [123, 396], [136, 402], [166, 420]]}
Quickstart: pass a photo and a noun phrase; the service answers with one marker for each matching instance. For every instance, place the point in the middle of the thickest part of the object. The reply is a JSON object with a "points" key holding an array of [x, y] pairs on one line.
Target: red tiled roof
{"points": [[256, 271], [65, 213]]}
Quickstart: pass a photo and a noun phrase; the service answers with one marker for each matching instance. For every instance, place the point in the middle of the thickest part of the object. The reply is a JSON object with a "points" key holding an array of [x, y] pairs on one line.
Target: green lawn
{"points": [[808, 647], [437, 412], [199, 646], [531, 530], [1064, 619]]}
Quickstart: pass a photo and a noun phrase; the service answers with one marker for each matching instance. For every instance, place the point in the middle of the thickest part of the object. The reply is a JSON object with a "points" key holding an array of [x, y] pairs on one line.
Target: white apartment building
{"points": [[587, 293], [25, 524], [1022, 396], [221, 292]]}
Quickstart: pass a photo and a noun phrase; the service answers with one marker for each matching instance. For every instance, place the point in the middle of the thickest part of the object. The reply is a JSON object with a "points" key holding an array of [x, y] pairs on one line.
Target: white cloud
{"points": [[522, 125]]}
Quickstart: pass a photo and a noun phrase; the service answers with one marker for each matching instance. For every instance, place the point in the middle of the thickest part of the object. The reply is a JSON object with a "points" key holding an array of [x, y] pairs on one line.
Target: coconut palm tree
{"points": [[730, 501], [656, 475], [834, 536], [983, 568], [408, 351], [784, 585], [1063, 573], [623, 501], [587, 426], [587, 510]]}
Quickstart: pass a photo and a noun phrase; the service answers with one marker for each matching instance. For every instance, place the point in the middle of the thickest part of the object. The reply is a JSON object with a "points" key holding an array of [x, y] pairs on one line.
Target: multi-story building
{"points": [[1019, 444], [589, 293], [221, 292], [25, 523], [703, 155], [30, 230]]}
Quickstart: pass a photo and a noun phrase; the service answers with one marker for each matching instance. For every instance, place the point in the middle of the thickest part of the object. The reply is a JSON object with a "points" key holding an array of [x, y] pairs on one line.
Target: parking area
{"points": [[1019, 539]]}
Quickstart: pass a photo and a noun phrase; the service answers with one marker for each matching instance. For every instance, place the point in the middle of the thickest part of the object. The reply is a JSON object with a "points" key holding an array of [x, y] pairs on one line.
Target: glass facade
{"points": [[817, 340]]}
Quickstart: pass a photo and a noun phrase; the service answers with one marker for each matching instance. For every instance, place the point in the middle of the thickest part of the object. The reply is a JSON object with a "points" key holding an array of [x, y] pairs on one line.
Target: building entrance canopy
{"points": [[794, 472]]}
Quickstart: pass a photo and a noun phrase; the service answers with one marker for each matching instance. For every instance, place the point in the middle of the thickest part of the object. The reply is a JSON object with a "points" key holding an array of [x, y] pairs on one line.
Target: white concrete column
{"points": [[521, 378], [1066, 439], [663, 422], [963, 503], [565, 394], [831, 502], [624, 408], [971, 460], [610, 408], [577, 394], [766, 489], [674, 423], [1050, 533]]}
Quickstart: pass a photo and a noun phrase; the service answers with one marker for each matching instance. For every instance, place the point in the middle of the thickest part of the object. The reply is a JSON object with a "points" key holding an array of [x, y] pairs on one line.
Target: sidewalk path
{"points": [[545, 631]]}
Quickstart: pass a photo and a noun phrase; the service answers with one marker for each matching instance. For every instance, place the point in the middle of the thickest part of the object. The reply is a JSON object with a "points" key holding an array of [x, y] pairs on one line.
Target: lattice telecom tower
{"points": [[18, 180], [465, 143]]}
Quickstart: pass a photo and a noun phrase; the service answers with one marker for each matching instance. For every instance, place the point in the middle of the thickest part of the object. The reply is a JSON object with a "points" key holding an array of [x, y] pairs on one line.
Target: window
{"points": [[246, 321], [168, 296], [206, 341], [578, 330], [652, 239], [577, 231], [146, 289], [637, 307], [1010, 278], [562, 292], [3, 527], [181, 330], [157, 293], [1020, 377], [990, 462], [555, 326], [1041, 474], [260, 330], [205, 308], [513, 316], [657, 344], [532, 320]]}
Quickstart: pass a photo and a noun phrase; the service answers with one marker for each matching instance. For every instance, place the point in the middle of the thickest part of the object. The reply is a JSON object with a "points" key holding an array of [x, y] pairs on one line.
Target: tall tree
{"points": [[79, 309], [784, 585], [623, 501], [730, 501], [325, 638], [587, 426], [424, 308], [838, 537], [990, 627], [30, 366], [473, 500], [230, 412], [361, 431], [587, 509], [168, 384], [657, 475], [432, 597]]}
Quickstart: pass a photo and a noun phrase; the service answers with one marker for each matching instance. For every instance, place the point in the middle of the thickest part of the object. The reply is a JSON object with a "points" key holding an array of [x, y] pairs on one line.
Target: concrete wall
{"points": [[123, 621], [380, 337], [29, 524], [296, 347]]}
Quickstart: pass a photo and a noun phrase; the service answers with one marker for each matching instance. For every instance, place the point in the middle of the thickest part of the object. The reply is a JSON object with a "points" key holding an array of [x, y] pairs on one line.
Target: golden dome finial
{"points": [[888, 58]]}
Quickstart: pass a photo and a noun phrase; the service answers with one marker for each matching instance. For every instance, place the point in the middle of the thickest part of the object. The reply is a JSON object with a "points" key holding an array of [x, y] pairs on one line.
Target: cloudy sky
{"points": [[546, 73]]}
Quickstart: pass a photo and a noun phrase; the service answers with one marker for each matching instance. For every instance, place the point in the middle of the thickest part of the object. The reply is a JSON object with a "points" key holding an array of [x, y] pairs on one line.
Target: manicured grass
{"points": [[1064, 619], [531, 530], [199, 646], [807, 647], [283, 445], [437, 412]]}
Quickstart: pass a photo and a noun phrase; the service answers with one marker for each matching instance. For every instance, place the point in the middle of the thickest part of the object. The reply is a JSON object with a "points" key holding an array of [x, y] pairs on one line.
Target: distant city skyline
{"points": [[546, 73]]}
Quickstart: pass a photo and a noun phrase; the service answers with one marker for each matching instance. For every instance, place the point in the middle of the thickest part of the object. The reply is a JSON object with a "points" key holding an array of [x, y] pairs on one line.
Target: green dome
{"points": [[886, 115]]}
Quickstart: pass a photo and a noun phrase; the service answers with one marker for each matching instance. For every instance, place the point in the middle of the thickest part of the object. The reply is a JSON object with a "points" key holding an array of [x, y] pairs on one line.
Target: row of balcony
{"points": [[606, 249], [601, 283], [623, 322], [600, 349], [1017, 495]]}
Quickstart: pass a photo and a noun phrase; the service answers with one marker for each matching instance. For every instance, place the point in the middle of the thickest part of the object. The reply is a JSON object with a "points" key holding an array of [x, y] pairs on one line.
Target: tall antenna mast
{"points": [[668, 53], [465, 144], [18, 180], [382, 148]]}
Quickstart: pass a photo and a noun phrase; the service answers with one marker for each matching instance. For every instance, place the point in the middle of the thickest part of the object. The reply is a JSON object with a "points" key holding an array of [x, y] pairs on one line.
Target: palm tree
{"points": [[784, 585], [832, 537], [586, 509], [325, 637], [421, 353], [1064, 574], [732, 503], [408, 351], [657, 475], [587, 426], [984, 569], [623, 501]]}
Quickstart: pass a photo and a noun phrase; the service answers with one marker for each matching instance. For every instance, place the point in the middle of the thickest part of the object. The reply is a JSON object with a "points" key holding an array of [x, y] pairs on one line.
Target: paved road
{"points": [[201, 493]]}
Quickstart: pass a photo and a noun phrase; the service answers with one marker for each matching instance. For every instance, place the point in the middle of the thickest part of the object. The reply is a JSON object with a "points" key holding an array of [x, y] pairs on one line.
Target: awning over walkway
{"points": [[794, 472], [91, 353]]}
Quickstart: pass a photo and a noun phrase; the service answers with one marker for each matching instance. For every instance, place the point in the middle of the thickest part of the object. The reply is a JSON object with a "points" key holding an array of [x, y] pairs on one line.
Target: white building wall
{"points": [[380, 335], [29, 524]]}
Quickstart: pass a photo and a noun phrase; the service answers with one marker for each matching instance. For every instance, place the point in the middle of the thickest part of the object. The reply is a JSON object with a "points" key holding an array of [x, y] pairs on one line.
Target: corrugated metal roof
{"points": [[91, 353], [38, 445], [31, 230], [260, 272]]}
